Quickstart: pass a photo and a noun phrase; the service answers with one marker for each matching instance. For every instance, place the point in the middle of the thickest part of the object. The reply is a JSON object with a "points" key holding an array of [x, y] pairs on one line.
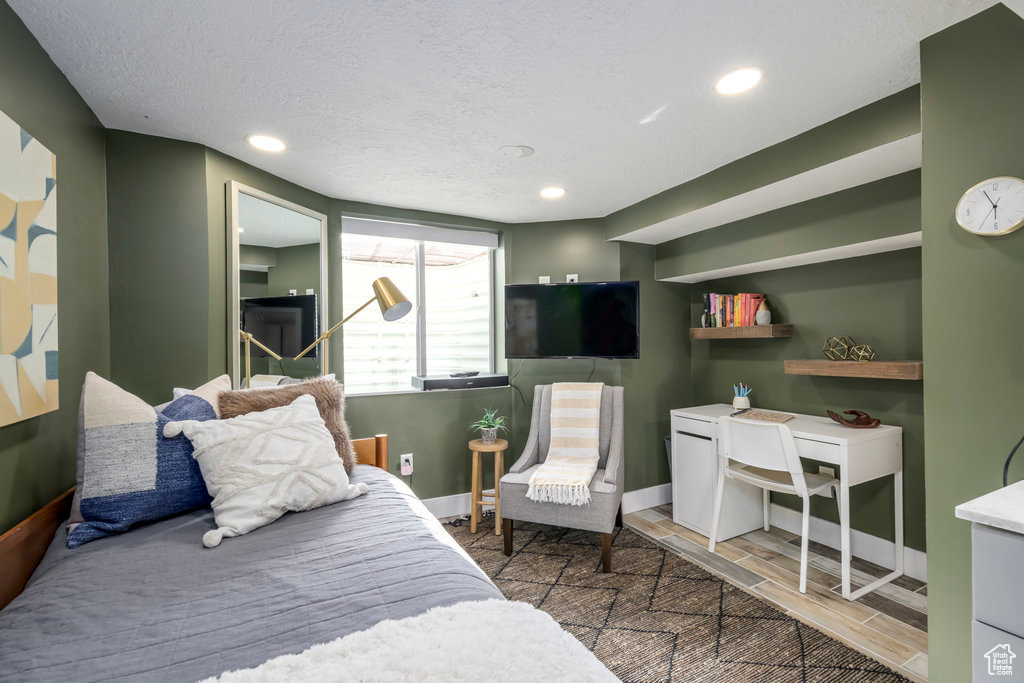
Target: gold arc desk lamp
{"points": [[393, 305]]}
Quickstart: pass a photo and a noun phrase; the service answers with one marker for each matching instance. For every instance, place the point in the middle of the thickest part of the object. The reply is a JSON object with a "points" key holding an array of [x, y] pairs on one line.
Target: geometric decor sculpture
{"points": [[838, 348], [28, 275], [862, 352]]}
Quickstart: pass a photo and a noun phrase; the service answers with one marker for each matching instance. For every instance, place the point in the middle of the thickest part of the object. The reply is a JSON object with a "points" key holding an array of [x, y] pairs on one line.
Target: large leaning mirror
{"points": [[277, 299]]}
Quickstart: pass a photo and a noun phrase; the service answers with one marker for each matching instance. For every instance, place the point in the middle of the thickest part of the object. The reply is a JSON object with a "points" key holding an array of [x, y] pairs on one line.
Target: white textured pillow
{"points": [[260, 465]]}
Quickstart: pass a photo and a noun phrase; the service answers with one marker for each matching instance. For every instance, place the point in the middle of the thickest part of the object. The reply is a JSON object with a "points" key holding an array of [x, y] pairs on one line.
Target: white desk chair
{"points": [[764, 454]]}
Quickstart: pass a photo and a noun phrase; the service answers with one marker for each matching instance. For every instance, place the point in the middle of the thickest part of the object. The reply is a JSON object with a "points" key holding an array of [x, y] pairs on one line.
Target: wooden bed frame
{"points": [[23, 547]]}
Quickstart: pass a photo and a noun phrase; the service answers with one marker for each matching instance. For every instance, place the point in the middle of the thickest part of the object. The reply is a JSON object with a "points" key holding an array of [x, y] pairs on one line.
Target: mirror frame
{"points": [[234, 322]]}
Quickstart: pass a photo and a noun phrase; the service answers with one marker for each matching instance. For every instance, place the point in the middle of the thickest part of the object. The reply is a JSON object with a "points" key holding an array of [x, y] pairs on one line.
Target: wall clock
{"points": [[992, 207]]}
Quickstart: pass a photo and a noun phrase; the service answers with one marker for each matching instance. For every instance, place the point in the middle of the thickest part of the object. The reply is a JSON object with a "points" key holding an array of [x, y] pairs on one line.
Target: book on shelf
{"points": [[730, 310]]}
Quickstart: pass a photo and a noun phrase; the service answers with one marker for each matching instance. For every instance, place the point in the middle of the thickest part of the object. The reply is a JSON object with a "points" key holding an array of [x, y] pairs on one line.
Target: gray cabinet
{"points": [[998, 628], [997, 562]]}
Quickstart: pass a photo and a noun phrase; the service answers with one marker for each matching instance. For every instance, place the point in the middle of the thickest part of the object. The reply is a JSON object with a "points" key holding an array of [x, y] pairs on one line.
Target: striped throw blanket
{"points": [[565, 475]]}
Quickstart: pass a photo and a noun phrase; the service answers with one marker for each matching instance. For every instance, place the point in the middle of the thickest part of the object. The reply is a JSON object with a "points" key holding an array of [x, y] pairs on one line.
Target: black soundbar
{"points": [[432, 382]]}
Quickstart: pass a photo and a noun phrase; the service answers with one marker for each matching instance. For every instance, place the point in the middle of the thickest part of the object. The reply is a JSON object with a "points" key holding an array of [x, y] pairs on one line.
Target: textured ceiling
{"points": [[407, 103], [265, 224]]}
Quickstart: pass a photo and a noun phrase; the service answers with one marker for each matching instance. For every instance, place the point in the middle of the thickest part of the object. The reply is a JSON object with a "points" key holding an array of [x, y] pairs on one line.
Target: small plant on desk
{"points": [[489, 425]]}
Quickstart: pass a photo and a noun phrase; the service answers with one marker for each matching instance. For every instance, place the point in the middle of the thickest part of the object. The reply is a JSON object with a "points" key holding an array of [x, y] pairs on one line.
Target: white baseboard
{"points": [[866, 546], [458, 504], [641, 499]]}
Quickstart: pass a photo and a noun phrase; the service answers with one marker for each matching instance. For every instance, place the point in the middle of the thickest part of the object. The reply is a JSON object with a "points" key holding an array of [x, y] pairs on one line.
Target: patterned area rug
{"points": [[658, 617]]}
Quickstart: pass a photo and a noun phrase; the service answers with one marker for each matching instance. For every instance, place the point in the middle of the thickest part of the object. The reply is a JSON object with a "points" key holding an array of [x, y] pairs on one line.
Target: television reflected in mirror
{"points": [[278, 285]]}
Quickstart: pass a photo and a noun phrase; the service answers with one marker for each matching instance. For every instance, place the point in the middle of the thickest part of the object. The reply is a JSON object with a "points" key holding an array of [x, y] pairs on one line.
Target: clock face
{"points": [[992, 207]]}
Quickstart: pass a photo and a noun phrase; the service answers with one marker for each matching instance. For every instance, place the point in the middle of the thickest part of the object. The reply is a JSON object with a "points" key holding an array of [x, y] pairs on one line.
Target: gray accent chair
{"points": [[604, 512]]}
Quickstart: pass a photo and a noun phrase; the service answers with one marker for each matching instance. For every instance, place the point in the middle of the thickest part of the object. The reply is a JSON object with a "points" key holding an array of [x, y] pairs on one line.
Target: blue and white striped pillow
{"points": [[128, 473]]}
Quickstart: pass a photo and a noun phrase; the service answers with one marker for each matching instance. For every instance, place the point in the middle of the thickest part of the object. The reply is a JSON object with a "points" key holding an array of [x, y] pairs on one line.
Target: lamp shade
{"points": [[393, 304]]}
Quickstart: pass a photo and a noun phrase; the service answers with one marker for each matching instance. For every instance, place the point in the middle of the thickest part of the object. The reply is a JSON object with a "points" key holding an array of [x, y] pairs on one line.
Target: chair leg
{"points": [[606, 553], [805, 529], [506, 531], [767, 513], [718, 510], [618, 517]]}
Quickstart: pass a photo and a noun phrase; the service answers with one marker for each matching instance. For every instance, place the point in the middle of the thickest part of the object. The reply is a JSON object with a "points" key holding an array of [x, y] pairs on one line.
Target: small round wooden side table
{"points": [[477, 446]]}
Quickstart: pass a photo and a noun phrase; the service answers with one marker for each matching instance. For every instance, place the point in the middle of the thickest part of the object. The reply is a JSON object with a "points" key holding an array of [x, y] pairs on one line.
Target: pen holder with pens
{"points": [[741, 396]]}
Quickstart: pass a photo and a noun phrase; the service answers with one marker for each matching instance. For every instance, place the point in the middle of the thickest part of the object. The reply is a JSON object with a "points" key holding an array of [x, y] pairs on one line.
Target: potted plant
{"points": [[489, 425]]}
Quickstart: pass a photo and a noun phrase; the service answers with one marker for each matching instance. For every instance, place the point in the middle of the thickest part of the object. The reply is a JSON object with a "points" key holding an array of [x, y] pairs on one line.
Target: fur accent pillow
{"points": [[330, 401], [259, 466]]}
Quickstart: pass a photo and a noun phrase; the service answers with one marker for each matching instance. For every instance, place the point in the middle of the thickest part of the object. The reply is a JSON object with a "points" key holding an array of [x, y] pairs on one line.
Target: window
{"points": [[448, 276]]}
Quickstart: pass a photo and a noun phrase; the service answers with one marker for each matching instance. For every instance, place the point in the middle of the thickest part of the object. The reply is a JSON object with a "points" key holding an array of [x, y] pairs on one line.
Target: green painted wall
{"points": [[432, 426], [157, 248], [252, 283], [874, 299], [886, 120], [660, 380], [971, 102], [556, 249], [884, 208], [655, 383], [37, 456], [297, 268]]}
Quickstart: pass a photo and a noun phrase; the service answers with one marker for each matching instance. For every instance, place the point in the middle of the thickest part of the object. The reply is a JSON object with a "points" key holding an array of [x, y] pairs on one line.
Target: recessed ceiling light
{"points": [[266, 143], [739, 80], [552, 192]]}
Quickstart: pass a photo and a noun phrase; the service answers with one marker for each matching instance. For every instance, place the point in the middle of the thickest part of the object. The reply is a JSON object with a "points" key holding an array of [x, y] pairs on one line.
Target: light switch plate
{"points": [[574, 277], [544, 279], [406, 460]]}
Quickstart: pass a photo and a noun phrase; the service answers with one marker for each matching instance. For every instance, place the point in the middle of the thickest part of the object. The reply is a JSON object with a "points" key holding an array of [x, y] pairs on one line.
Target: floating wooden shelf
{"points": [[876, 369], [744, 332]]}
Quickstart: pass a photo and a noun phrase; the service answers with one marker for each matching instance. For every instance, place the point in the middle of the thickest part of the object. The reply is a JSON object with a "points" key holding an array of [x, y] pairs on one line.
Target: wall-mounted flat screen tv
{"points": [[578, 320], [287, 324]]}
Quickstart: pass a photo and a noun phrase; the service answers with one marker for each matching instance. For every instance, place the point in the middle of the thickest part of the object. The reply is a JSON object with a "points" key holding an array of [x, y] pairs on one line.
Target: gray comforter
{"points": [[154, 605]]}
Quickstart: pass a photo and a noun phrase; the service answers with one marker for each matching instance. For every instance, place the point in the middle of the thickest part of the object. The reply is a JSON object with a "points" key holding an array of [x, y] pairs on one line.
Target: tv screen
{"points": [[286, 324], [584, 320]]}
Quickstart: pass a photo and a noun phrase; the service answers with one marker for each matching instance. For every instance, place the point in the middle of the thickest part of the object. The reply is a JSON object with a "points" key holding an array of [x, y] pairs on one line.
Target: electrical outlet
{"points": [[544, 279], [406, 460], [309, 291], [292, 292], [574, 277], [827, 471]]}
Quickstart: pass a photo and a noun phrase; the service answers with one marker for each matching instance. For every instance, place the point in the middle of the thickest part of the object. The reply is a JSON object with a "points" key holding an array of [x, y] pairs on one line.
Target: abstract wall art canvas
{"points": [[28, 275]]}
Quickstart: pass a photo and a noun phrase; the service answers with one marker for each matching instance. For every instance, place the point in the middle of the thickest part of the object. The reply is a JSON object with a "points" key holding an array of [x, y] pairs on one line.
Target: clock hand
{"points": [[989, 198]]}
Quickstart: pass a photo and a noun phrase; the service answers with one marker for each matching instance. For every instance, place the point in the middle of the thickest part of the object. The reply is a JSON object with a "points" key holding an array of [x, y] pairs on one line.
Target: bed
{"points": [[153, 605]]}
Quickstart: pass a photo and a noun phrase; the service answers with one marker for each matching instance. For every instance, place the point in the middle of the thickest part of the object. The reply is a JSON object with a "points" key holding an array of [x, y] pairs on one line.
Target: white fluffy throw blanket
{"points": [[565, 475], [488, 640]]}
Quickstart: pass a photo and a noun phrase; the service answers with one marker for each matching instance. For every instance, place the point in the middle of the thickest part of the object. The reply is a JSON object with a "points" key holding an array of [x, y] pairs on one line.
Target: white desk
{"points": [[860, 454]]}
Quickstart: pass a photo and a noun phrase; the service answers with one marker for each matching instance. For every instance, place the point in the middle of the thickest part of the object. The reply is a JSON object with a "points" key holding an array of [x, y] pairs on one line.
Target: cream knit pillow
{"points": [[260, 465]]}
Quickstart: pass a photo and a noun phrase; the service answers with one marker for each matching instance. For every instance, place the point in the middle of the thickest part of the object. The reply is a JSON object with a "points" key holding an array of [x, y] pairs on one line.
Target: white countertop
{"points": [[1003, 508]]}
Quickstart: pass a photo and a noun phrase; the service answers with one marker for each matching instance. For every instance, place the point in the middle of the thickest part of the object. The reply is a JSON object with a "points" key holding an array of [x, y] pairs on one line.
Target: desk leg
{"points": [[897, 482], [844, 533]]}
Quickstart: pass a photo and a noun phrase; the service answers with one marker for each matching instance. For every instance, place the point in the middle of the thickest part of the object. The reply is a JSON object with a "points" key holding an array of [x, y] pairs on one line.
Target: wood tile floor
{"points": [[890, 624]]}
